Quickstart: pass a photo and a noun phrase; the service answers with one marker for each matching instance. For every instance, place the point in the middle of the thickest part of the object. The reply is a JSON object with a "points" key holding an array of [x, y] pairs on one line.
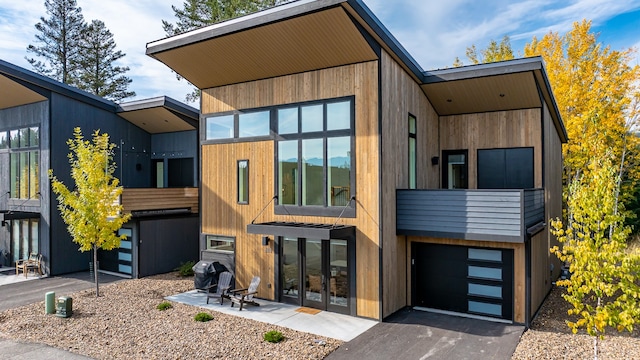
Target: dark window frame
{"points": [[445, 166], [245, 176], [348, 210], [413, 161], [505, 150], [26, 135]]}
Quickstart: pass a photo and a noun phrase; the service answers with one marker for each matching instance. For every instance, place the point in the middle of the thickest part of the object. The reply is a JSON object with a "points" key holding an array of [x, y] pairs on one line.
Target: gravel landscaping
{"points": [[550, 338], [123, 323]]}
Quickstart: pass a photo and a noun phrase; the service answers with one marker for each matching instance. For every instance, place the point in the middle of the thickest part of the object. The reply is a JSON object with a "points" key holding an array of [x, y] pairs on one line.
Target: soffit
{"points": [[314, 41], [13, 94], [156, 120], [482, 94]]}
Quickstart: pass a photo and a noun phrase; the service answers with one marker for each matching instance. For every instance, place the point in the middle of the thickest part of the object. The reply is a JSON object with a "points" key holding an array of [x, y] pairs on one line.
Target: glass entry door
{"points": [[315, 273]]}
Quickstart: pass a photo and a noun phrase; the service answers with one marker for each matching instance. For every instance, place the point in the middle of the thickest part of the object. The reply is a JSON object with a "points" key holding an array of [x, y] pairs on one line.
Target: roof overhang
{"points": [[303, 230], [14, 94], [292, 38], [160, 115], [507, 85]]}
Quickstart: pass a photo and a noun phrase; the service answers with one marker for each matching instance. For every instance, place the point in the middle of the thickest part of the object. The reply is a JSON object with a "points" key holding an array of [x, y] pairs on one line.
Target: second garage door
{"points": [[463, 279]]}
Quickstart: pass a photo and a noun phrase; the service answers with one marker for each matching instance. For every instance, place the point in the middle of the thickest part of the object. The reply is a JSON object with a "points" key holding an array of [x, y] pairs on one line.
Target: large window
{"points": [[25, 238], [24, 160], [314, 151]]}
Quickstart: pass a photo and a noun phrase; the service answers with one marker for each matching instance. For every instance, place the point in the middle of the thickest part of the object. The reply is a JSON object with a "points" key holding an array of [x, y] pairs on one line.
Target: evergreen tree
{"points": [[57, 40], [97, 73]]}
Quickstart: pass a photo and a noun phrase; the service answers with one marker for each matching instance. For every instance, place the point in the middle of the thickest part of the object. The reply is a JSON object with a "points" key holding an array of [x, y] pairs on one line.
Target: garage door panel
{"points": [[463, 279]]}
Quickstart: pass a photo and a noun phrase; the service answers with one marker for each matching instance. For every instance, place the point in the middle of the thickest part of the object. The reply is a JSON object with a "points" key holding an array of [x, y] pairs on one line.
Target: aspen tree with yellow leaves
{"points": [[91, 210]]}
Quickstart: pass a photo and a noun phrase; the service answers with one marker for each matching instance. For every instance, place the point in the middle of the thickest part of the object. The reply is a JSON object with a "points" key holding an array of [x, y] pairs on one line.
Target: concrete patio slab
{"points": [[324, 323]]}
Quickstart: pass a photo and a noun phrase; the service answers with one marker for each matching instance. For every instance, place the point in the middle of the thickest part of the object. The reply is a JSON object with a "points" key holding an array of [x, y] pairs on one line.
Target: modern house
{"points": [[351, 180], [156, 158]]}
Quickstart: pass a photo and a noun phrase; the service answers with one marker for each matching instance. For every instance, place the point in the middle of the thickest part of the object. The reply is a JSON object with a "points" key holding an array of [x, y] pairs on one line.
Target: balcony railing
{"points": [[151, 201], [490, 215]]}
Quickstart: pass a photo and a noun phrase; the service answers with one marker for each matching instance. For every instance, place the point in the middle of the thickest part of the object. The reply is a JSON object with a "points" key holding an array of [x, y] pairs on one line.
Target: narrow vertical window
{"points": [[412, 152], [243, 181]]}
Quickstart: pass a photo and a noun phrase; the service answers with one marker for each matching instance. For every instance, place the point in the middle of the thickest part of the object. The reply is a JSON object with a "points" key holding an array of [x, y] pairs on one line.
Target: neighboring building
{"points": [[156, 158], [351, 180]]}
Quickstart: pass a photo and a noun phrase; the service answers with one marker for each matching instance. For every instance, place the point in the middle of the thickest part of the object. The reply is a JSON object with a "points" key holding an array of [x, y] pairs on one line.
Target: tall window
{"points": [[412, 152], [24, 159], [24, 238], [243, 181], [314, 154]]}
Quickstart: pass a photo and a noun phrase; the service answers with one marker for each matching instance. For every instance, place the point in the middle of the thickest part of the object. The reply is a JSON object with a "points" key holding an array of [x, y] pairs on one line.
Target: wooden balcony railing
{"points": [[159, 200]]}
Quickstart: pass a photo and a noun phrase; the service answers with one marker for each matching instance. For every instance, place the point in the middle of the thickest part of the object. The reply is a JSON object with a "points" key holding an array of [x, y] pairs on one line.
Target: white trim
{"points": [[471, 316]]}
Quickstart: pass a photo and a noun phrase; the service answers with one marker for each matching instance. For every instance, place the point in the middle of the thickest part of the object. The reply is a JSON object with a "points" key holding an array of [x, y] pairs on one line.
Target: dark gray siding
{"points": [[166, 243], [491, 215], [134, 147], [179, 145], [533, 207]]}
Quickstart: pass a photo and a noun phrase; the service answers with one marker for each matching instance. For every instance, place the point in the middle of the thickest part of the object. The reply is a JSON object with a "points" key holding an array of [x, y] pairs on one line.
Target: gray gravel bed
{"points": [[123, 323]]}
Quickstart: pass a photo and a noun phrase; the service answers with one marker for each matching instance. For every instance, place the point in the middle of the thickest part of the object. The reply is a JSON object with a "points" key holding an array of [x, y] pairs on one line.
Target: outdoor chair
{"points": [[221, 288], [242, 296], [33, 262]]}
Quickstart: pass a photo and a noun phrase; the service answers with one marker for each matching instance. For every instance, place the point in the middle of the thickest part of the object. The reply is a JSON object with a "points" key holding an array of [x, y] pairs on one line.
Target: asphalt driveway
{"points": [[411, 334]]}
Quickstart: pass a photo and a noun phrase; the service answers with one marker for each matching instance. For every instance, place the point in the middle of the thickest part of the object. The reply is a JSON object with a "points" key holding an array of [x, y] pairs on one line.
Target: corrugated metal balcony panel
{"points": [[494, 215]]}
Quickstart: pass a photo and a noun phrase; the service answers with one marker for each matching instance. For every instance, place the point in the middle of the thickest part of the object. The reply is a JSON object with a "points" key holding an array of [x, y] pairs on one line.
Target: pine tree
{"points": [[97, 73], [57, 40]]}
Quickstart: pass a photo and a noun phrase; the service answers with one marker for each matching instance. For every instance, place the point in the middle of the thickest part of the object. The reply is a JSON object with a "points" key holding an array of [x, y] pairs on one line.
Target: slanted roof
{"points": [[19, 86], [160, 115], [310, 35], [506, 85]]}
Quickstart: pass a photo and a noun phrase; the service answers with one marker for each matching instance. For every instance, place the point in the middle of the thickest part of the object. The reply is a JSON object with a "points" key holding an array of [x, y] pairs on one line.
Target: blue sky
{"points": [[434, 32]]}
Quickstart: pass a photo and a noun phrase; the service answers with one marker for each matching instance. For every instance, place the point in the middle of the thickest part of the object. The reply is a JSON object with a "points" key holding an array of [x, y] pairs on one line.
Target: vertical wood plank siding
{"points": [[519, 302], [553, 194], [401, 96], [221, 215], [500, 129]]}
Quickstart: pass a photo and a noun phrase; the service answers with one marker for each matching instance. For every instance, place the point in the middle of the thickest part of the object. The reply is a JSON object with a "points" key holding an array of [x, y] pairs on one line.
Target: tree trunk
{"points": [[95, 268]]}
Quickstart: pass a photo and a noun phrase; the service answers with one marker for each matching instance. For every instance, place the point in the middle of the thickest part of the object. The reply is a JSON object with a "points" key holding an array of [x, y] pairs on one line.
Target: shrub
{"points": [[203, 317], [273, 336], [185, 269], [164, 306]]}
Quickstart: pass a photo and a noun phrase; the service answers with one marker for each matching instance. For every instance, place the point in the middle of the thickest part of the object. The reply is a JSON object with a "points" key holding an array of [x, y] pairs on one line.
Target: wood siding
{"points": [[136, 199], [401, 96], [519, 284], [222, 215], [553, 190], [540, 282], [500, 129]]}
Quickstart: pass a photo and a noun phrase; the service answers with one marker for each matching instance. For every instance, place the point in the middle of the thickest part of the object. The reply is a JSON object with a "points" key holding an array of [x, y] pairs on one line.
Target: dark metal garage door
{"points": [[463, 279]]}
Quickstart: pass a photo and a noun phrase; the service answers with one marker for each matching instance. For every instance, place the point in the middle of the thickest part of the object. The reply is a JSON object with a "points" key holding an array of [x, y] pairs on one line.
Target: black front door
{"points": [[315, 273]]}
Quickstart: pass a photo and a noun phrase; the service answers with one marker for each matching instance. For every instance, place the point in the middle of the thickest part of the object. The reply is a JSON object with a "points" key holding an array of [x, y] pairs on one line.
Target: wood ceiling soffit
{"points": [[315, 41], [484, 94]]}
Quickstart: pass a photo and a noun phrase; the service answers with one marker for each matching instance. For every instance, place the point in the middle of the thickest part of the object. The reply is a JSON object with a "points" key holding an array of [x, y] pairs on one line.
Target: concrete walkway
{"points": [[323, 323]]}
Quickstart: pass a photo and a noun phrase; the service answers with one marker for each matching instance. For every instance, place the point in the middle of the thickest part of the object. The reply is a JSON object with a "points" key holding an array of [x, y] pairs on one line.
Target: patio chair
{"points": [[33, 262], [242, 296], [221, 288]]}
